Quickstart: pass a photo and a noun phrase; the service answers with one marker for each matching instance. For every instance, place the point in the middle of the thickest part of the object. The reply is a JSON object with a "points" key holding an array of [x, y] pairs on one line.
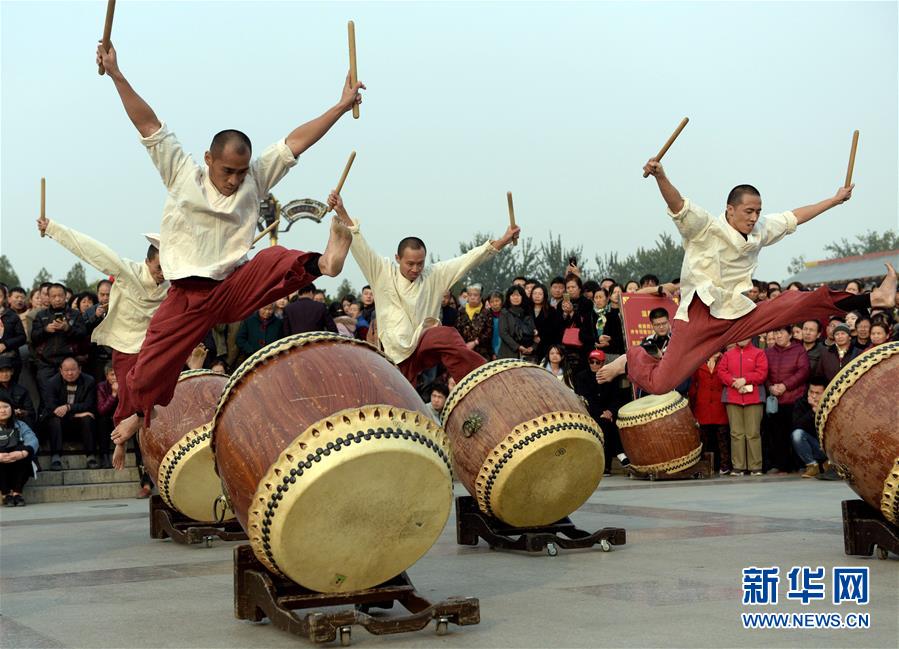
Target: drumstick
{"points": [[107, 30], [43, 201], [354, 77], [851, 158], [271, 226], [346, 170], [670, 141], [511, 215]]}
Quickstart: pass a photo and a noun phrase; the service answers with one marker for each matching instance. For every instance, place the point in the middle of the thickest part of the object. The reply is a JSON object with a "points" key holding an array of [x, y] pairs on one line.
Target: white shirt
{"points": [[134, 296], [204, 233], [404, 308], [719, 262]]}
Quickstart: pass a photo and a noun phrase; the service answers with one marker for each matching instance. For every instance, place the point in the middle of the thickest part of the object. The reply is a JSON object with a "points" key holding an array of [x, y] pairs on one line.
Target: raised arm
{"points": [[370, 263], [139, 111], [304, 136], [807, 213], [672, 197]]}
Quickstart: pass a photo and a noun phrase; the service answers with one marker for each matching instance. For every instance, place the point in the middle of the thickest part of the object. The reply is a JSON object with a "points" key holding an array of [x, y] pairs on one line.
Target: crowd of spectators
{"points": [[754, 401]]}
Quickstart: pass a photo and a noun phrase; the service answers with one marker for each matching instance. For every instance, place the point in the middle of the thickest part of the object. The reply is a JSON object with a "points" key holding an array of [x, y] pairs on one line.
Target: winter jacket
{"points": [[21, 400], [107, 402], [56, 394], [788, 365], [27, 440], [479, 329], [831, 363], [804, 417], [516, 328], [13, 336], [252, 336], [53, 348], [749, 363], [705, 396]]}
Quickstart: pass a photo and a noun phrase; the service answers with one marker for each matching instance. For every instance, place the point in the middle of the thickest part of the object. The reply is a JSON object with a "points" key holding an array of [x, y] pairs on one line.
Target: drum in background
{"points": [[523, 443], [659, 434], [176, 450], [335, 471], [858, 426]]}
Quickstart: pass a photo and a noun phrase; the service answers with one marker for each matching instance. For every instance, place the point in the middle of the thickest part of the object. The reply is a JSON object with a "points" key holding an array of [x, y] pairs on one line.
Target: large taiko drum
{"points": [[523, 443], [176, 451], [858, 426], [335, 471], [659, 434]]}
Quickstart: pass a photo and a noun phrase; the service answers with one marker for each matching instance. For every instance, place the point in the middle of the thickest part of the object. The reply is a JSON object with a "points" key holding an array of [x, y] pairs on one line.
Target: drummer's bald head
{"points": [[410, 243], [737, 193], [237, 140]]}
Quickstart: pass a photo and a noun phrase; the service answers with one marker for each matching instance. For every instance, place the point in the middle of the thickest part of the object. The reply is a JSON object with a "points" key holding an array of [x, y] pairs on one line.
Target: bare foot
{"points": [[126, 430], [197, 357], [331, 261], [884, 296], [118, 457], [612, 370]]}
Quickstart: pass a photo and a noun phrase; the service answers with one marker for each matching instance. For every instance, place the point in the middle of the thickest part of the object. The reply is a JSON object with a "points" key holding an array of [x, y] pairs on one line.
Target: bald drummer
{"points": [[720, 257]]}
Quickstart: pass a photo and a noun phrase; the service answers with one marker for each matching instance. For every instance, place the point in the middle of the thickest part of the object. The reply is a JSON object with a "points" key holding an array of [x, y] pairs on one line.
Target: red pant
{"points": [[193, 306], [122, 364], [441, 345], [693, 342]]}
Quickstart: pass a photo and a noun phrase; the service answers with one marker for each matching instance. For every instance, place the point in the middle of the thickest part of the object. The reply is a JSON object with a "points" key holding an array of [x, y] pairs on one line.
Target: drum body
{"points": [[523, 443], [659, 434], [333, 468], [176, 451], [858, 427]]}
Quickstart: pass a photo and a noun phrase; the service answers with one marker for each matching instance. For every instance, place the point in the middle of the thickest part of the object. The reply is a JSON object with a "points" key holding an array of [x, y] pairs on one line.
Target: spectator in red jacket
{"points": [[705, 402], [743, 370], [788, 374], [107, 402]]}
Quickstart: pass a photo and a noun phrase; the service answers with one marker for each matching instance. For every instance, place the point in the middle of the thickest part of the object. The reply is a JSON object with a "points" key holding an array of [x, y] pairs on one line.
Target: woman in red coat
{"points": [[788, 372], [743, 370], [707, 407]]}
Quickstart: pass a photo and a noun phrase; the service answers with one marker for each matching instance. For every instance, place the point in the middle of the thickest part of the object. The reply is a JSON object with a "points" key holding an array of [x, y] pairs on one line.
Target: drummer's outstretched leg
{"points": [[442, 345]]}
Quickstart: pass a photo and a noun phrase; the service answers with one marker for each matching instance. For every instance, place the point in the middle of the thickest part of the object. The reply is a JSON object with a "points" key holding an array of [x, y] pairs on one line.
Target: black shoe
{"points": [[56, 465], [92, 463], [9, 501], [105, 462], [830, 474], [18, 500]]}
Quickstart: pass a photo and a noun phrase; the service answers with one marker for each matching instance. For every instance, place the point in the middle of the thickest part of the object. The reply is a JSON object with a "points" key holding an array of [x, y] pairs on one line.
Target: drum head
{"points": [[543, 471], [187, 477], [352, 503], [651, 407]]}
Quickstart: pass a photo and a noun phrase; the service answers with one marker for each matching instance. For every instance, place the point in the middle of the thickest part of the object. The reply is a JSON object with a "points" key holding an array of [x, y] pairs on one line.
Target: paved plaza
{"points": [[87, 574]]}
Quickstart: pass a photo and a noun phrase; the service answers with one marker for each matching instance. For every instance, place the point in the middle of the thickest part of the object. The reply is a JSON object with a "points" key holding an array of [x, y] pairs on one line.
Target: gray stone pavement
{"points": [[88, 575]]}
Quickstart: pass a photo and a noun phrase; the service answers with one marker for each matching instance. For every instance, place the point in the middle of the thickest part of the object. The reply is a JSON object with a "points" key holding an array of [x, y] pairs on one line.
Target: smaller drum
{"points": [[659, 434], [858, 426], [176, 451]]}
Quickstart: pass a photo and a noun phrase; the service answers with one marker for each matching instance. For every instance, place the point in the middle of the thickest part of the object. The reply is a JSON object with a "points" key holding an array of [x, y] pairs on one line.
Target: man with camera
{"points": [[56, 333]]}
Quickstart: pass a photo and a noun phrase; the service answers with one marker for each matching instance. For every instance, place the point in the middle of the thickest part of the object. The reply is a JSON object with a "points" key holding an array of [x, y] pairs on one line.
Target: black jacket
{"points": [[55, 395], [53, 348], [804, 416], [306, 315], [599, 396], [21, 400], [516, 328], [13, 335]]}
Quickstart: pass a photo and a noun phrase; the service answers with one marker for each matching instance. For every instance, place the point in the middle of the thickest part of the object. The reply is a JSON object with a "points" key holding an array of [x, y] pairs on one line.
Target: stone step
{"points": [[78, 461], [71, 493], [85, 476]]}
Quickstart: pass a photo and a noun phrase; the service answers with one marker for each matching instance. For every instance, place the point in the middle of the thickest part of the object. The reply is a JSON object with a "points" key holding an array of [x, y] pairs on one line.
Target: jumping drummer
{"points": [[720, 257], [410, 296], [136, 293], [207, 230]]}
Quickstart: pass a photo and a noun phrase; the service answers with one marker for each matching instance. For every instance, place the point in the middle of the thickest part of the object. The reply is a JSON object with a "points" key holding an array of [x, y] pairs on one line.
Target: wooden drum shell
{"points": [[659, 439], [858, 427], [513, 408]]}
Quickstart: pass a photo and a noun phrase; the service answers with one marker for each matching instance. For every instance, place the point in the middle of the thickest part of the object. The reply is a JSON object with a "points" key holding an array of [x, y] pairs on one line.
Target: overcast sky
{"points": [[561, 103]]}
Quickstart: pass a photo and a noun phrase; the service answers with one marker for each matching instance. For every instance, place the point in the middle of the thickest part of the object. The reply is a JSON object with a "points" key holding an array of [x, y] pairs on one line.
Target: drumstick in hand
{"points": [[271, 226], [851, 159], [511, 215], [346, 171], [107, 30], [354, 77], [43, 201], [670, 141]]}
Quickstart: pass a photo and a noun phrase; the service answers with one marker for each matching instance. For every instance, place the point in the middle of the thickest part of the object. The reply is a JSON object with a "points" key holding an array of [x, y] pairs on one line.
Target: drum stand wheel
{"points": [[865, 530], [165, 522], [472, 524], [260, 594]]}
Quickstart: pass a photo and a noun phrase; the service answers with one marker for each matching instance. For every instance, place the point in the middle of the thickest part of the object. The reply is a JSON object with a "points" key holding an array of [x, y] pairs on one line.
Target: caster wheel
{"points": [[208, 541], [442, 625], [882, 553], [551, 549], [605, 546], [346, 634]]}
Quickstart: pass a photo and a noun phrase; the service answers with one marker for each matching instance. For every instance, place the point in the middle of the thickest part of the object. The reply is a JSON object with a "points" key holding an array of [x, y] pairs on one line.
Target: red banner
{"points": [[635, 308]]}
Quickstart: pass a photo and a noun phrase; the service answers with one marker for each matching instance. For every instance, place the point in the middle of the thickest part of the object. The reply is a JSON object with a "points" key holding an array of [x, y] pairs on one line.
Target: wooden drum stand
{"points": [[165, 522]]}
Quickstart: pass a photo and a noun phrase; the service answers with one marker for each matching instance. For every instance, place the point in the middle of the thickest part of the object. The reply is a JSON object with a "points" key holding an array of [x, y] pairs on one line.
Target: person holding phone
{"points": [[56, 333]]}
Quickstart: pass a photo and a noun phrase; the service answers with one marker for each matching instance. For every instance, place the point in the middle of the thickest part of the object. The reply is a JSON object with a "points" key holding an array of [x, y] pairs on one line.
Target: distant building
{"points": [[836, 272]]}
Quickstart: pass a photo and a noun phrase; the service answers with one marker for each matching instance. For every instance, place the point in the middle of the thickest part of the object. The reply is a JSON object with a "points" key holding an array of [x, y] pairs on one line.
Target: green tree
{"points": [[870, 241], [76, 280], [345, 289], [7, 274], [554, 257], [797, 265], [664, 259], [43, 275]]}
